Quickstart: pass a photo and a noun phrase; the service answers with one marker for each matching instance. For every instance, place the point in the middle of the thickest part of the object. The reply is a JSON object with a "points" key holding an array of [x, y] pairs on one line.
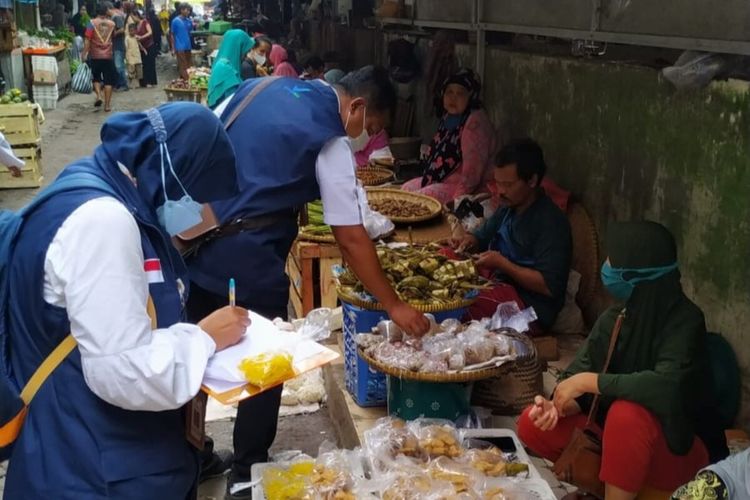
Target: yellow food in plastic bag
{"points": [[288, 484], [266, 370]]}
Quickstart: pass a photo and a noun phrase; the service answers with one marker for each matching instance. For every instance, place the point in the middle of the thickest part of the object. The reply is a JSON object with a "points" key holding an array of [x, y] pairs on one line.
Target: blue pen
{"points": [[232, 292]]}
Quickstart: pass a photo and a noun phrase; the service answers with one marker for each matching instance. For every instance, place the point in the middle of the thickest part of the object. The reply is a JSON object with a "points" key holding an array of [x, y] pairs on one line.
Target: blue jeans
{"points": [[122, 71]]}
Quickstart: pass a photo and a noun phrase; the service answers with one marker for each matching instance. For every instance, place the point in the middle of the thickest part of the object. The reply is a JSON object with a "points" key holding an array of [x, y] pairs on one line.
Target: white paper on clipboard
{"points": [[262, 336]]}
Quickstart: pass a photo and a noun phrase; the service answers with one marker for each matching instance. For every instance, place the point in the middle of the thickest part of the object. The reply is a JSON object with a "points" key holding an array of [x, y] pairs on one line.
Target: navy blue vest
{"points": [[73, 444], [276, 139]]}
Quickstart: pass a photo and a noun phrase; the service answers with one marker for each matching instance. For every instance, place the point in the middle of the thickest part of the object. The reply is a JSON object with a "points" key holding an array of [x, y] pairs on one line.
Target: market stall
{"points": [[195, 89]]}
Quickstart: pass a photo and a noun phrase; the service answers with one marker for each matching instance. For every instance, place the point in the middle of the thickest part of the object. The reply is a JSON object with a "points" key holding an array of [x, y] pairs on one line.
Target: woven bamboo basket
{"points": [[381, 194], [511, 389], [374, 176], [586, 259], [376, 306], [453, 377]]}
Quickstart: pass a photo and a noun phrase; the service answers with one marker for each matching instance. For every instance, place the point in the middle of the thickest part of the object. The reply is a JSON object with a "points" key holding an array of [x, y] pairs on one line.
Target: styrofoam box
{"points": [[533, 487]]}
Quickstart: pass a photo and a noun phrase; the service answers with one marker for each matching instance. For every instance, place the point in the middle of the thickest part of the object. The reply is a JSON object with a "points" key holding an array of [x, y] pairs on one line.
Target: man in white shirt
{"points": [[294, 141]]}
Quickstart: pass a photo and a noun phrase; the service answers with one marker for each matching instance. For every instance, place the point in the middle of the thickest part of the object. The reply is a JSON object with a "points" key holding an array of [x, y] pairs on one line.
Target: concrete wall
{"points": [[630, 146]]}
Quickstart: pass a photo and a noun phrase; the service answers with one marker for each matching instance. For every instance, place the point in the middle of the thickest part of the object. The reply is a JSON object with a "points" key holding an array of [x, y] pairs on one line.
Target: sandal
{"points": [[107, 110], [97, 103]]}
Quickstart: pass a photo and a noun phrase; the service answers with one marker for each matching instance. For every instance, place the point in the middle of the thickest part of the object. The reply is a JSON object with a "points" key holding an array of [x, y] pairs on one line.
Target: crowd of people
{"points": [[180, 167], [120, 45]]}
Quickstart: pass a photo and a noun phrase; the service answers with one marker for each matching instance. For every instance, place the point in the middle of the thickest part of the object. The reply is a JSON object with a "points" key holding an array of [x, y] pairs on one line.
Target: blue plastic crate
{"points": [[367, 386]]}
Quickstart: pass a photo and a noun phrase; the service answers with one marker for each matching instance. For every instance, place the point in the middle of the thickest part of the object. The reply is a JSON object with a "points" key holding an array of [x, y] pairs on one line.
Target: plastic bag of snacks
{"points": [[437, 438], [418, 486], [267, 369], [289, 482], [390, 444]]}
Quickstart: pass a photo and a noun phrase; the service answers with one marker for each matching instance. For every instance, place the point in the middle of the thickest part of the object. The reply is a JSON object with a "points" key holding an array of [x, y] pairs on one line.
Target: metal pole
{"points": [[481, 45]]}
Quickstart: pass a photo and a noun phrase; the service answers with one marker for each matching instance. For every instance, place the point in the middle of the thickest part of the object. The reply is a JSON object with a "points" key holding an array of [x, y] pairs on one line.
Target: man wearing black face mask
{"points": [[301, 150]]}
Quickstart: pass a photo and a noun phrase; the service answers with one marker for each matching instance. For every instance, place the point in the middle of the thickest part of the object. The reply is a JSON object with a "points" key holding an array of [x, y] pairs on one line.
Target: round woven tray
{"points": [[376, 306], [378, 176], [460, 376], [383, 162], [380, 194]]}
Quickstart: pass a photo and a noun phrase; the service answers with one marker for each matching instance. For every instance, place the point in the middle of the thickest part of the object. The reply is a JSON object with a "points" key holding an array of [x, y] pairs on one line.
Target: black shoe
{"points": [[239, 488], [221, 461]]}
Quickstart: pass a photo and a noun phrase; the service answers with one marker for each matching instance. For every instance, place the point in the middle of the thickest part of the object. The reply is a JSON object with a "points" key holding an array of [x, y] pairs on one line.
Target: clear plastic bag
{"points": [[376, 224], [508, 315], [317, 325], [463, 478], [391, 445], [437, 438]]}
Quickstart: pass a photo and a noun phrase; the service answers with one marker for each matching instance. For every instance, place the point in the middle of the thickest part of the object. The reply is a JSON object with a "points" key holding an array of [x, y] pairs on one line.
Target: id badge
{"points": [[195, 420]]}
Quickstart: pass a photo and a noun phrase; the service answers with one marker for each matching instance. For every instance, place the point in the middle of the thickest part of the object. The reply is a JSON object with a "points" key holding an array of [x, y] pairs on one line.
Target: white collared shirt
{"points": [[94, 268]]}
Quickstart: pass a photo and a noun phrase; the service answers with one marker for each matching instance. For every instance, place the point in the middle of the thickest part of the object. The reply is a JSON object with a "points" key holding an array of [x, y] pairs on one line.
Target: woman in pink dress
{"points": [[460, 158]]}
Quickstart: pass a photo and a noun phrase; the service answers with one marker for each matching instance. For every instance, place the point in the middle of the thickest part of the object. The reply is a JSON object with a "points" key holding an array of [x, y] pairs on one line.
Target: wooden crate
{"points": [[21, 124], [31, 173], [190, 95], [311, 280]]}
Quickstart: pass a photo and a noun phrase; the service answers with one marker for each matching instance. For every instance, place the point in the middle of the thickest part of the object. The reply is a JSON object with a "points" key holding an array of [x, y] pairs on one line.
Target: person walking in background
{"points": [[164, 23], [99, 46], [118, 45], [134, 53], [145, 37], [181, 45], [78, 24], [156, 35]]}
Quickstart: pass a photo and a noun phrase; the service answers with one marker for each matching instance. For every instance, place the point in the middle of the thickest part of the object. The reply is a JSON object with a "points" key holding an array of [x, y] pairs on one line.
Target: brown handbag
{"points": [[581, 460]]}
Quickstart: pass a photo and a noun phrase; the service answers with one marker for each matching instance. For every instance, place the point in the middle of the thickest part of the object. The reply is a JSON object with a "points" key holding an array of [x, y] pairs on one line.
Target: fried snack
{"points": [[331, 484], [439, 441], [489, 462], [494, 494], [417, 487]]}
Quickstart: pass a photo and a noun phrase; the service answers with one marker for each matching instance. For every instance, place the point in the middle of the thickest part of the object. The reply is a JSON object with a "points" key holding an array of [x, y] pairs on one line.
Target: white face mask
{"points": [[359, 143], [259, 58]]}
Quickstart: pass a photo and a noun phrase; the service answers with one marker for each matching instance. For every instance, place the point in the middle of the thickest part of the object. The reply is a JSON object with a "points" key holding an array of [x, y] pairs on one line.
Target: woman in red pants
{"points": [[655, 399]]}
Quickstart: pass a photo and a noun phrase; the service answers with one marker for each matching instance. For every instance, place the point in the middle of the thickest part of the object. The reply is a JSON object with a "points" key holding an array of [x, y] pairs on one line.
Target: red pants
{"points": [[635, 452]]}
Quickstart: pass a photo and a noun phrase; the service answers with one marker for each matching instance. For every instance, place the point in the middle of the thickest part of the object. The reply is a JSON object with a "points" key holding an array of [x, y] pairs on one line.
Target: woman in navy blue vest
{"points": [[108, 422], [294, 144]]}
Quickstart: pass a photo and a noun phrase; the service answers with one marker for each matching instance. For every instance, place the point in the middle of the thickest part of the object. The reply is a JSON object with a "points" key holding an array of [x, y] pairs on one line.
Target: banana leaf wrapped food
{"points": [[420, 275]]}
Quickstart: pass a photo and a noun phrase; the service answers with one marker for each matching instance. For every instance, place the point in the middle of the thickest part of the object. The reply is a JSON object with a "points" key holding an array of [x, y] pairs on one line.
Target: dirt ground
{"points": [[72, 131]]}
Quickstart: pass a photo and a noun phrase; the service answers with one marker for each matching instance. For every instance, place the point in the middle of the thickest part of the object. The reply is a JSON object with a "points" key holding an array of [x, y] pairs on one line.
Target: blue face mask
{"points": [[622, 288], [175, 216]]}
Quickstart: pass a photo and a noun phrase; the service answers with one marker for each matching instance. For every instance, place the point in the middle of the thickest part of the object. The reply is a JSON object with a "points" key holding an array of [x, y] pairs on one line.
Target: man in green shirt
{"points": [[526, 244]]}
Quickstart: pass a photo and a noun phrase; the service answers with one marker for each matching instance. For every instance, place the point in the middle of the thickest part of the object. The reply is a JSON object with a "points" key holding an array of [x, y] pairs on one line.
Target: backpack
{"points": [[14, 405]]}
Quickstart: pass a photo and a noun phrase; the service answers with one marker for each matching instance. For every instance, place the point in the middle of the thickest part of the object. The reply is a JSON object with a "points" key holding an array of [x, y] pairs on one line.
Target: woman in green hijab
{"points": [[656, 395], [225, 73]]}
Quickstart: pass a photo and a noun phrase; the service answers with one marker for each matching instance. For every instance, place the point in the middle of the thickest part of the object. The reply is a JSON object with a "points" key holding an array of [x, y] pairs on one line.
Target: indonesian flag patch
{"points": [[152, 267]]}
